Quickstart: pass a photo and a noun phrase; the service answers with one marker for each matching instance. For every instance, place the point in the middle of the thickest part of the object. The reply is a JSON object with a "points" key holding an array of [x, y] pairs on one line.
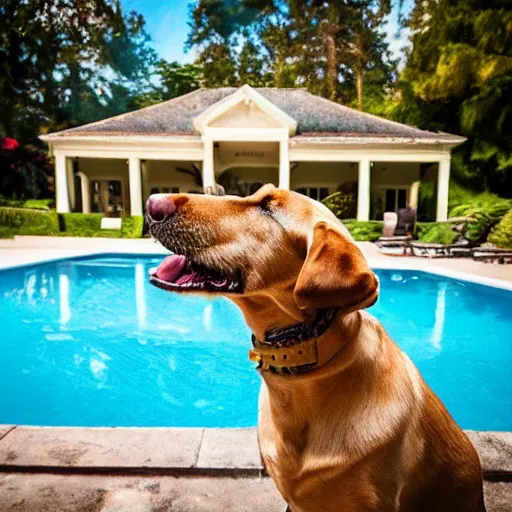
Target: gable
{"points": [[245, 114], [245, 109]]}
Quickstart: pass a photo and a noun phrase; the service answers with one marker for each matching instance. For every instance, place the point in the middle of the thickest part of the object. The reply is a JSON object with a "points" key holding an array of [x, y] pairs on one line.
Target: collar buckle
{"points": [[301, 354]]}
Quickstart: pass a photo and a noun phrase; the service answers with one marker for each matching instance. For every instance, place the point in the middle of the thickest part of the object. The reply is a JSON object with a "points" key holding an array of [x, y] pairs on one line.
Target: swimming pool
{"points": [[89, 342]]}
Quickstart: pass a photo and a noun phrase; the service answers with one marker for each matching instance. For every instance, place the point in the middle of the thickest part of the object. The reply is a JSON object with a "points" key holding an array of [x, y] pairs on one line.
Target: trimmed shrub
{"points": [[343, 205], [89, 225], [37, 204], [21, 221], [501, 235], [364, 231], [436, 233]]}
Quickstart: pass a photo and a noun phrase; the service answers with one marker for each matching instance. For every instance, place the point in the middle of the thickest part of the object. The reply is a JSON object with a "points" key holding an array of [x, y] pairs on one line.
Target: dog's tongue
{"points": [[171, 268]]}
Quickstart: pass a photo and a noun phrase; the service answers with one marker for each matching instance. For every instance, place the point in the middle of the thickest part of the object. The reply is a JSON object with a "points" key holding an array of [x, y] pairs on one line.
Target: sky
{"points": [[167, 24]]}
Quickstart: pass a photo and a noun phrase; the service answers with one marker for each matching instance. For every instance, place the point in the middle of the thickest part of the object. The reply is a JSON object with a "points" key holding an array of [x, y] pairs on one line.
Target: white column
{"points": [[363, 191], [208, 166], [414, 192], [86, 192], [71, 183], [284, 165], [135, 186], [443, 185], [144, 170], [61, 184]]}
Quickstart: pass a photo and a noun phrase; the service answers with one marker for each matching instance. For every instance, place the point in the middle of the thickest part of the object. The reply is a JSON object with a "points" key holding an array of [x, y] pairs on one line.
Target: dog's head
{"points": [[272, 240]]}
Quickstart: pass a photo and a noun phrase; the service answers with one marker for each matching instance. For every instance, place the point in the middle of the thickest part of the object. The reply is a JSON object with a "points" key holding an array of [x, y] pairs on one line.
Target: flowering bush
{"points": [[26, 172]]}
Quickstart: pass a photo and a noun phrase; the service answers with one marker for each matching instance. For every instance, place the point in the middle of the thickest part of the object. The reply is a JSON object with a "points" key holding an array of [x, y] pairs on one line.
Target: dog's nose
{"points": [[159, 207]]}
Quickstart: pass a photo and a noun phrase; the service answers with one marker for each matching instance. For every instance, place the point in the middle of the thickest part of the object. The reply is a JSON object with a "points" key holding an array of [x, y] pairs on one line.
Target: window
{"points": [[317, 193], [165, 190], [395, 198]]}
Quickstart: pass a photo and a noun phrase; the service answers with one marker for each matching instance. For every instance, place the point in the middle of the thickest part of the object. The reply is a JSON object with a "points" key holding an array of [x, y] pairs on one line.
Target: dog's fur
{"points": [[363, 432]]}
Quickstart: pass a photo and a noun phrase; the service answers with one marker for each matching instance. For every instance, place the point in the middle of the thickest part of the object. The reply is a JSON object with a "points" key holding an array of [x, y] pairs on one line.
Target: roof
{"points": [[315, 116]]}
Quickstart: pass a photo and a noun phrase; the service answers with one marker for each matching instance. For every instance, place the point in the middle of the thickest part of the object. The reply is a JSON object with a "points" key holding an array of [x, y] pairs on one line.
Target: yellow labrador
{"points": [[346, 423]]}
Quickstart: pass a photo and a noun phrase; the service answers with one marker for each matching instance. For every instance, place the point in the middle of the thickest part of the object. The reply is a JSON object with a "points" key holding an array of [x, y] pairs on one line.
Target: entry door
{"points": [[395, 198], [107, 197]]}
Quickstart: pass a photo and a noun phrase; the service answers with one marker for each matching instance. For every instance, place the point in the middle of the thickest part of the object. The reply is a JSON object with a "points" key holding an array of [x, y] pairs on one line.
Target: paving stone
{"points": [[230, 448], [5, 429], [22, 492], [101, 447], [127, 500], [494, 449]]}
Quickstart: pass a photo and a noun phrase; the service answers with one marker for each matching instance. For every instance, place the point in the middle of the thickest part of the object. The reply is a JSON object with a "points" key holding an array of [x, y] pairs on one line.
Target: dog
{"points": [[346, 423]]}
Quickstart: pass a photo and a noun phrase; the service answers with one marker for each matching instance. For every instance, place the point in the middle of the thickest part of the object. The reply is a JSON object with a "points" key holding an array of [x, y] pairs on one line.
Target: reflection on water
{"points": [[101, 346], [437, 332], [91, 342]]}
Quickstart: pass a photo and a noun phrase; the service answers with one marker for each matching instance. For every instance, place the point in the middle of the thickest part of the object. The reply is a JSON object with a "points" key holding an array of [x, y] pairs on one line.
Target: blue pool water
{"points": [[90, 342]]}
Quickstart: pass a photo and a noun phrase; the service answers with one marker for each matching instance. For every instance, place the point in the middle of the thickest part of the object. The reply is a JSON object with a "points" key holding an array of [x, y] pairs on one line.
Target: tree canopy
{"points": [[67, 62], [336, 49], [458, 78]]}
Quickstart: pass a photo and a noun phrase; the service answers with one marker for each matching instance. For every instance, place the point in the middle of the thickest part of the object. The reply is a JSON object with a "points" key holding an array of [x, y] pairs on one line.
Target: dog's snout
{"points": [[159, 207]]}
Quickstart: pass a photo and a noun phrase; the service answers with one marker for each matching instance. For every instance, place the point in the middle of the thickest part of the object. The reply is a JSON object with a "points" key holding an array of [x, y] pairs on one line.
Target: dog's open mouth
{"points": [[179, 273]]}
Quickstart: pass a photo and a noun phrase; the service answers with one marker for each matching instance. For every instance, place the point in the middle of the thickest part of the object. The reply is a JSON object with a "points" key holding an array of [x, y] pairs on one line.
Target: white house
{"points": [[242, 138]]}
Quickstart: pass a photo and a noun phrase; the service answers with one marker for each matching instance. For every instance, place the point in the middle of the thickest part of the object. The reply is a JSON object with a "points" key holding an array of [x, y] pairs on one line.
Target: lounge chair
{"points": [[492, 255], [459, 249]]}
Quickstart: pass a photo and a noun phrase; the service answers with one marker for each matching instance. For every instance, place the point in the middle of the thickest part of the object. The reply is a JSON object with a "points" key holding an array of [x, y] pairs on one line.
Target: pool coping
{"points": [[174, 451]]}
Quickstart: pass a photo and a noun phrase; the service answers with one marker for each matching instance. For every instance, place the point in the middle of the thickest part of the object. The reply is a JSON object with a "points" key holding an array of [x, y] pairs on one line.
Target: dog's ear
{"points": [[335, 274]]}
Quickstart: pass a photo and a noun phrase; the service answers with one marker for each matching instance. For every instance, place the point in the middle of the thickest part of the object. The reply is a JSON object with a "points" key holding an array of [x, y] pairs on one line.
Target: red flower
{"points": [[10, 144]]}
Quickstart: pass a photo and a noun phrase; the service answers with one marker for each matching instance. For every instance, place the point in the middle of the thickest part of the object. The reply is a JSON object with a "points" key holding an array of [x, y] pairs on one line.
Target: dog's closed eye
{"points": [[267, 204]]}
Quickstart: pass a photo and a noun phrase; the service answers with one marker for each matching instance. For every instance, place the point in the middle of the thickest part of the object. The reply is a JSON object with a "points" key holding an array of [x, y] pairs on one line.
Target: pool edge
{"points": [[401, 264]]}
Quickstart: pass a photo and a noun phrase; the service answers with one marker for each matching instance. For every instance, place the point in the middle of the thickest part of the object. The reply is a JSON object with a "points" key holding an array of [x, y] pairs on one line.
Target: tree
{"points": [[332, 48], [458, 79], [62, 61], [175, 79]]}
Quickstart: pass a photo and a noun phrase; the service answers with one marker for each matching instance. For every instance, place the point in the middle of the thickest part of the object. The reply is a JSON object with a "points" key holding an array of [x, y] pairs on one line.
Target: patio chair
{"points": [[397, 231]]}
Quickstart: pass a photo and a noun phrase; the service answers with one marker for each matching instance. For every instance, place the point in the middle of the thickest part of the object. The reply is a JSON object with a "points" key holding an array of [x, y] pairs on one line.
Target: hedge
{"points": [[38, 204], [501, 235], [89, 225], [22, 221], [432, 232], [364, 231]]}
